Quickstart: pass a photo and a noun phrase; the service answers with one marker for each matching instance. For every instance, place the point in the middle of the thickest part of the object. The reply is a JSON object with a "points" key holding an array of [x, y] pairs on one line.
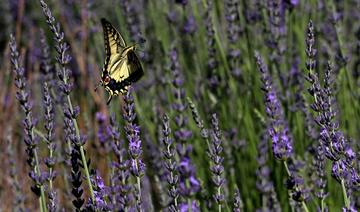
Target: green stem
{"points": [[83, 158], [40, 134], [37, 171], [296, 188], [346, 199], [41, 204]]}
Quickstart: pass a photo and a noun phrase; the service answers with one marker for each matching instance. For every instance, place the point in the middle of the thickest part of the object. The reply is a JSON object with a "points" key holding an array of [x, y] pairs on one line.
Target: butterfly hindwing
{"points": [[134, 66]]}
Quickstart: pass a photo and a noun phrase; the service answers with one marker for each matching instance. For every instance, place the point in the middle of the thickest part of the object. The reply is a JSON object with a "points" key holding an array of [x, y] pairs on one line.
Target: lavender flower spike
{"points": [[281, 140], [170, 164], [217, 167], [22, 95], [137, 167], [70, 111], [50, 161], [282, 144]]}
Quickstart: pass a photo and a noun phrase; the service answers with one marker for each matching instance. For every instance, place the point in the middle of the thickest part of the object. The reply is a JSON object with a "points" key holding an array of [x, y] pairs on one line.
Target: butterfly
{"points": [[122, 66]]}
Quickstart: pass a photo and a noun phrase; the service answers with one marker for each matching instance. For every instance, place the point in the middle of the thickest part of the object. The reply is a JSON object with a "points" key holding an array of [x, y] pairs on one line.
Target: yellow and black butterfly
{"points": [[122, 66]]}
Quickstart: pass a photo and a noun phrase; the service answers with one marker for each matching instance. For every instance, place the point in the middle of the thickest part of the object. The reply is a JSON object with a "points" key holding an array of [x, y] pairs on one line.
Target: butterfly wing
{"points": [[134, 66], [114, 44], [126, 69]]}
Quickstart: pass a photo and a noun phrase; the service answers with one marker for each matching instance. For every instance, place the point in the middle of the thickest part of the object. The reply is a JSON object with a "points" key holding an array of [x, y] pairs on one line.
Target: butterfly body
{"points": [[122, 66]]}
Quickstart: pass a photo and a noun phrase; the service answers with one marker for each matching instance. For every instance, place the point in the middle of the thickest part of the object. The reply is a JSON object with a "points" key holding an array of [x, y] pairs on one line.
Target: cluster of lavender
{"points": [[333, 143], [188, 183], [121, 197], [174, 164]]}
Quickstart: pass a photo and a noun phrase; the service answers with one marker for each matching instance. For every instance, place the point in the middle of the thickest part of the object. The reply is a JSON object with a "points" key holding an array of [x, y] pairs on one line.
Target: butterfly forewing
{"points": [[114, 43]]}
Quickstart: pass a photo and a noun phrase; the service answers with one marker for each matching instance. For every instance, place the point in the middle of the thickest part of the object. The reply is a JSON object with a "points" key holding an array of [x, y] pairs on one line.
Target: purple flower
{"points": [[101, 192], [137, 167], [22, 95], [184, 207], [120, 188], [103, 132], [190, 26], [278, 129]]}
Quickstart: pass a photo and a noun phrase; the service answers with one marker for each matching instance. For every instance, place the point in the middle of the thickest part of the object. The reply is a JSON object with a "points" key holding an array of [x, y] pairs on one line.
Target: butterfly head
{"points": [[105, 80]]}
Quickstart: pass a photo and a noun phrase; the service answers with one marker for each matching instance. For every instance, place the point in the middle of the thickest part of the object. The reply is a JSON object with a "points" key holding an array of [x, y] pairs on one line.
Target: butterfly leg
{"points": [[100, 84], [108, 101]]}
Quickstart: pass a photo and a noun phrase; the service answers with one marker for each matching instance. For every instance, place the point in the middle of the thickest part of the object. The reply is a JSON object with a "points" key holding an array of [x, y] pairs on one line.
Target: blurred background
{"points": [[205, 50]]}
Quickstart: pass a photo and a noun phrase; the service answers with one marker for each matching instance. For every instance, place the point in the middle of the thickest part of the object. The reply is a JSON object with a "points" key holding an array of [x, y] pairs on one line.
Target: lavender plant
{"points": [[137, 167], [30, 140], [332, 140], [65, 86], [170, 164], [196, 51]]}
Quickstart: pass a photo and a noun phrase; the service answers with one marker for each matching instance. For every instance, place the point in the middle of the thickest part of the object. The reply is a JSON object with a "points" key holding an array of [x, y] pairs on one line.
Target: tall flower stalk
{"points": [[170, 164], [50, 160], [121, 190], [137, 167], [217, 168], [188, 183], [64, 73], [22, 95], [282, 144]]}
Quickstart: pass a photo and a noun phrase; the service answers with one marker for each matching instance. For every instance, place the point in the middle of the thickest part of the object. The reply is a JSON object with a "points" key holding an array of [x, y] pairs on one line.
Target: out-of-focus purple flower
{"points": [[131, 14], [263, 183], [233, 33], [182, 2], [190, 26], [212, 64], [103, 133], [18, 201], [184, 207], [172, 17]]}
